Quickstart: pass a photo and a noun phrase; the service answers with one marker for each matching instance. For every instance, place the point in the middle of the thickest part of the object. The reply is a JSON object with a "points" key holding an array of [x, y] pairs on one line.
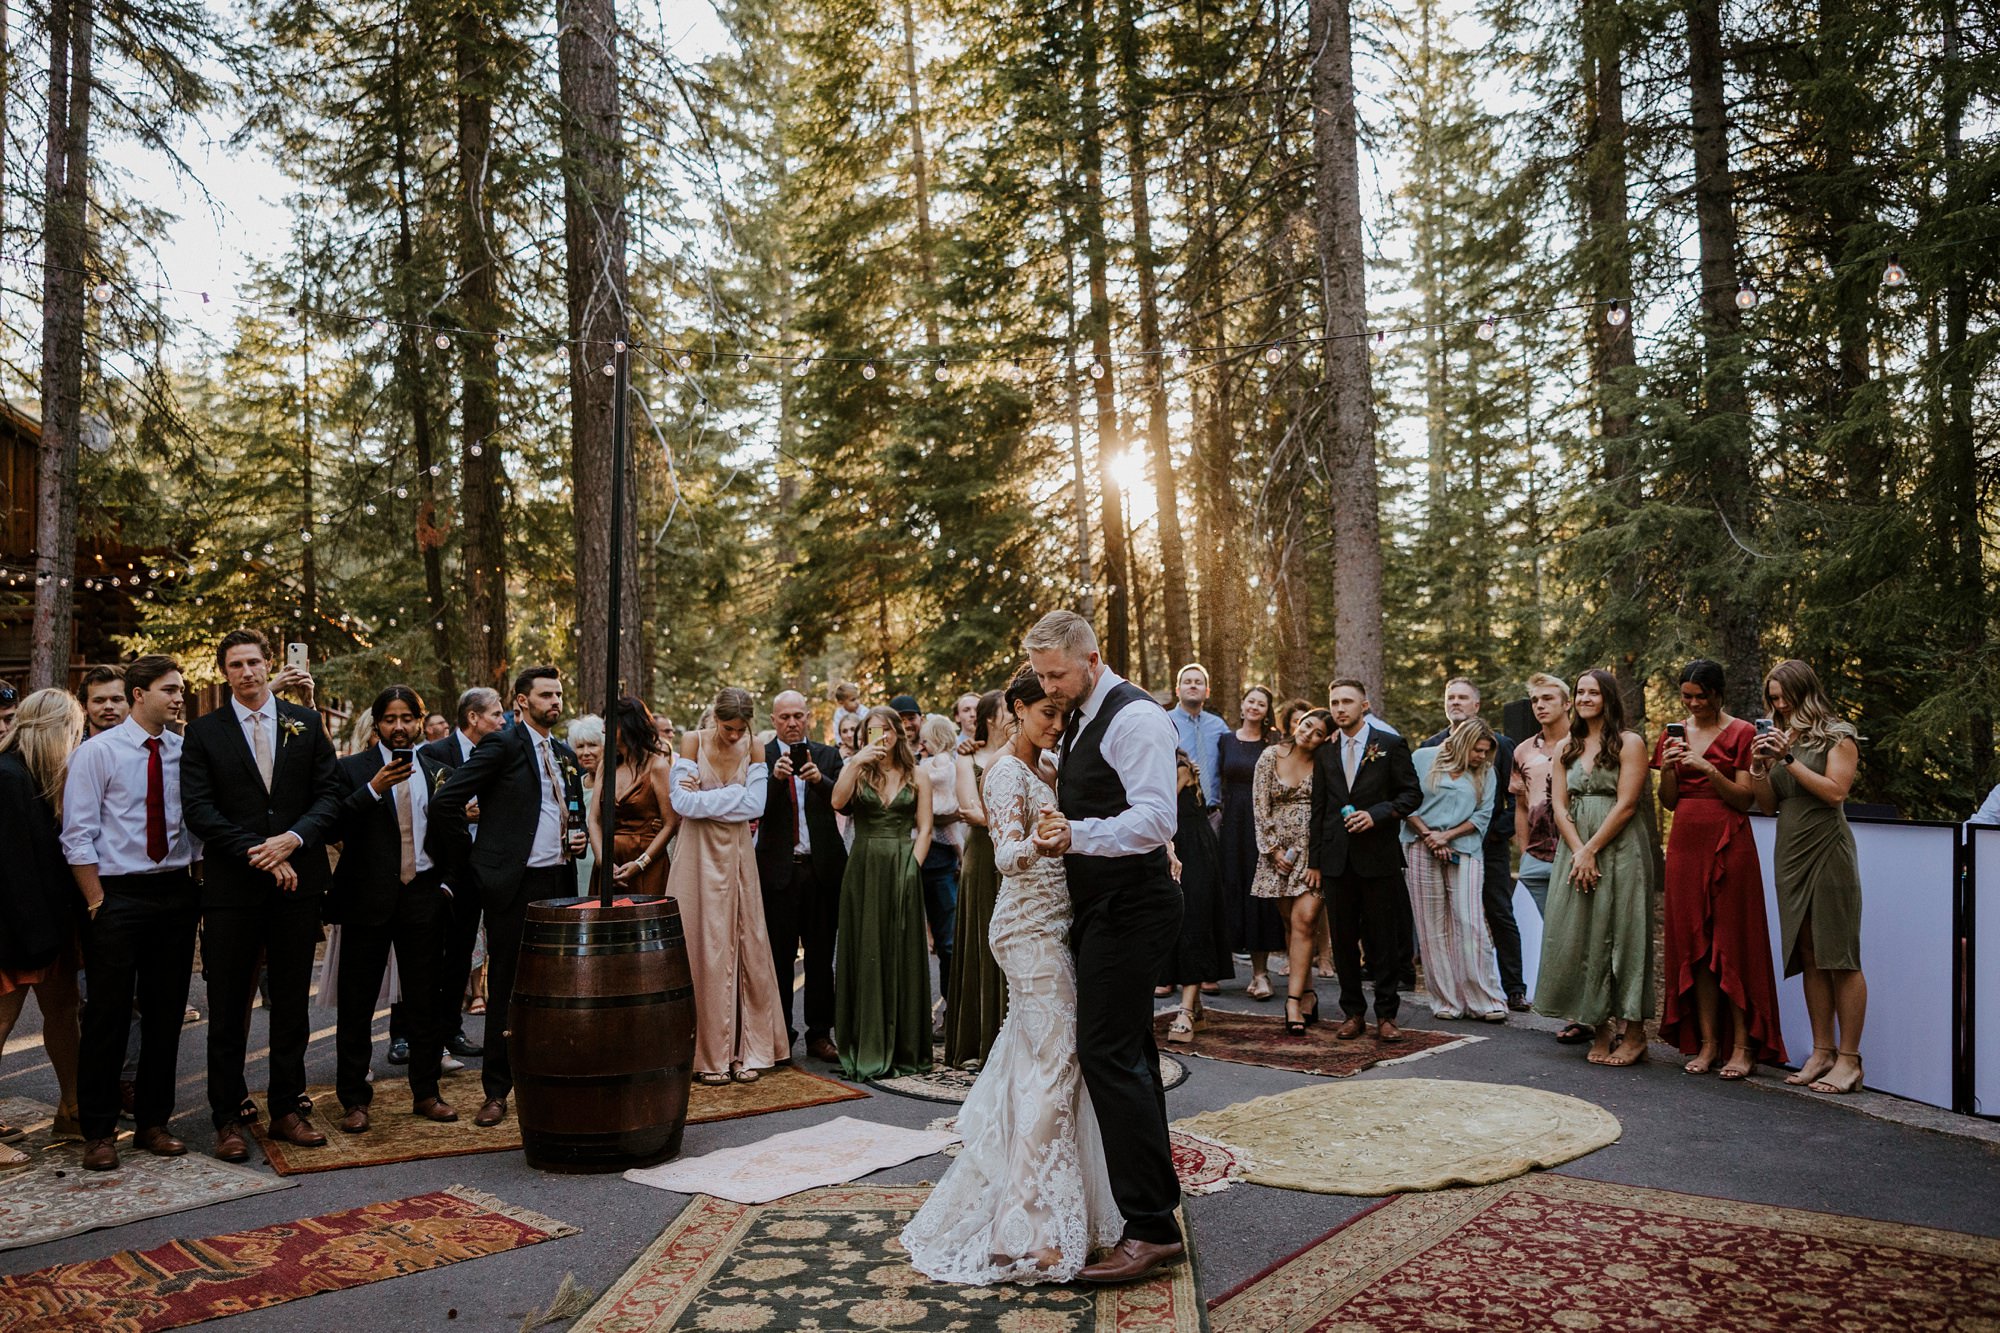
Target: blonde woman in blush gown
{"points": [[1030, 1194], [717, 791]]}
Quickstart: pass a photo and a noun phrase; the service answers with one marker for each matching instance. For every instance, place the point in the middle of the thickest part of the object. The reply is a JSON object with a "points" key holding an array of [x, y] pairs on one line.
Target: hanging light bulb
{"points": [[618, 346], [1273, 355], [610, 368], [1893, 275], [1617, 314], [1487, 329], [442, 342], [683, 360], [1097, 370], [374, 326], [868, 370], [1746, 296], [1180, 358], [102, 292], [742, 364], [941, 374], [476, 450]]}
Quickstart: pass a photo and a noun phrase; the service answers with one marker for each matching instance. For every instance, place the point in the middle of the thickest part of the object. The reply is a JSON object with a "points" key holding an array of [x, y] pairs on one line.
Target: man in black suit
{"points": [[800, 866], [530, 793], [388, 892], [479, 716], [1363, 786], [261, 788]]}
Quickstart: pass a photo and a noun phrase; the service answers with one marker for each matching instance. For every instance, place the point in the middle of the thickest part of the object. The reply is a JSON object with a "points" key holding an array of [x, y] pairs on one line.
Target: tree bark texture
{"points": [[1117, 560]]}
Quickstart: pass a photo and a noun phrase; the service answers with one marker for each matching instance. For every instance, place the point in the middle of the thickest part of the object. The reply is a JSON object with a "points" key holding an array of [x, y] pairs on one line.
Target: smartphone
{"points": [[877, 732], [1765, 726], [402, 756], [1677, 731], [801, 756], [296, 656]]}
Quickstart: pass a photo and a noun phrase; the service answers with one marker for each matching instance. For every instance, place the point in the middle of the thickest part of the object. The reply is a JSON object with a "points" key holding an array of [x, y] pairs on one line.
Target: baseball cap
{"points": [[903, 703]]}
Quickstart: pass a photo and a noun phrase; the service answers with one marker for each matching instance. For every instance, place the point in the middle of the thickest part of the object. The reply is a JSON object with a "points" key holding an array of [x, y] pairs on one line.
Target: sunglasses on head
{"points": [[9, 696]]}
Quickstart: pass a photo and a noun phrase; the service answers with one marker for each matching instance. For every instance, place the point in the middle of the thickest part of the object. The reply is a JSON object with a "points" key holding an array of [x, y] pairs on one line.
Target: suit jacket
{"points": [[505, 776], [443, 751], [41, 910], [777, 831], [1385, 786], [369, 877], [224, 802]]}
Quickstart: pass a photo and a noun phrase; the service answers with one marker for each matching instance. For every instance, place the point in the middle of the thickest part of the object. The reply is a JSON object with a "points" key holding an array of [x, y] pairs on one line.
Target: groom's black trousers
{"points": [[1122, 933]]}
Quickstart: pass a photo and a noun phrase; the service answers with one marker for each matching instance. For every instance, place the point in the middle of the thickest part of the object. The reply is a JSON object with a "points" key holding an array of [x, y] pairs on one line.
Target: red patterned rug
{"points": [[188, 1281], [1205, 1165], [1545, 1252], [1260, 1039], [829, 1259]]}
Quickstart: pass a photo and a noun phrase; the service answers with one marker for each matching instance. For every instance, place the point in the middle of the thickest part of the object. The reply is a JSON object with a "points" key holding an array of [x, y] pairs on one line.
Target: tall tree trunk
{"points": [[1724, 410], [1153, 353], [1348, 409], [1073, 397], [921, 174], [1117, 559], [66, 247], [428, 532], [595, 229], [481, 462]]}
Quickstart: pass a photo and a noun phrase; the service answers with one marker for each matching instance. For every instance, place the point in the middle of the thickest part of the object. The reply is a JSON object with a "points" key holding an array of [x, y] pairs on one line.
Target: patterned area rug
{"points": [[1259, 1039], [833, 1152], [187, 1281], [1386, 1136], [945, 1084], [398, 1136], [829, 1259], [1204, 1165], [55, 1197], [1560, 1252]]}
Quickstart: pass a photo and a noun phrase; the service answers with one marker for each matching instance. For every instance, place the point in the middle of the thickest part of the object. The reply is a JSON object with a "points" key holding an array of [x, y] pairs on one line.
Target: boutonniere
{"points": [[1371, 754], [570, 772], [291, 726], [438, 780]]}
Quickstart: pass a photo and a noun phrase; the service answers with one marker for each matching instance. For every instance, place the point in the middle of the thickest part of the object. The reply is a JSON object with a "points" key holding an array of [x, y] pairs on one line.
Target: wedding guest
{"points": [[1363, 786], [130, 850], [462, 971], [1802, 770], [1200, 955], [436, 727], [1255, 927], [719, 785], [976, 990], [262, 790], [669, 735], [850, 736], [586, 736], [1289, 713], [1462, 700], [1282, 797], [640, 784], [1597, 946], [1445, 865], [10, 700], [1718, 945], [1200, 731], [911, 715], [846, 709], [937, 754], [881, 984], [966, 714], [529, 791], [1532, 784], [388, 893], [800, 862], [102, 694], [41, 914]]}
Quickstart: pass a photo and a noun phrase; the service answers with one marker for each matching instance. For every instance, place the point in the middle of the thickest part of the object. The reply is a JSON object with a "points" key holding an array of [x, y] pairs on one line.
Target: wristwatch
{"points": [[1785, 758]]}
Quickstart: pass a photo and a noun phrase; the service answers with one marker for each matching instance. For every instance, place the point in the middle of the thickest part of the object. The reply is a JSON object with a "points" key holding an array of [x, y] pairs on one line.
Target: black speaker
{"points": [[1518, 720]]}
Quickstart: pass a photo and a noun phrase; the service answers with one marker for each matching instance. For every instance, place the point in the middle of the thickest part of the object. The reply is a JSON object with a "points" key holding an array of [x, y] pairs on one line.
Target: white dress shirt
{"points": [[420, 803], [269, 712], [548, 846], [802, 839], [1989, 809], [104, 804], [466, 745], [1139, 742]]}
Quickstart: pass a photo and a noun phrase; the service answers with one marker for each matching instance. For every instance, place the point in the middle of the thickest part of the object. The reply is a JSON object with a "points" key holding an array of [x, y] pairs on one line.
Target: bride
{"points": [[1029, 1195]]}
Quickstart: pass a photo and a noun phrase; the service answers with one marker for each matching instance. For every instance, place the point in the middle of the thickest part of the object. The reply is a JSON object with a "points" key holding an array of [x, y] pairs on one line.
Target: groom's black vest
{"points": [[1088, 787]]}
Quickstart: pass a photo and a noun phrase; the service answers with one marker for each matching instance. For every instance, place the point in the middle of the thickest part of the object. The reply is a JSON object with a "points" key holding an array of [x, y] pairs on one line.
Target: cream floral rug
{"points": [[1386, 1136], [832, 1152]]}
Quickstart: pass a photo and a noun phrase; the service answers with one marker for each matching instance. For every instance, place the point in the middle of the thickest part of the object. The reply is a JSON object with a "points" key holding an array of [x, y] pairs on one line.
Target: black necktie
{"points": [[1069, 730]]}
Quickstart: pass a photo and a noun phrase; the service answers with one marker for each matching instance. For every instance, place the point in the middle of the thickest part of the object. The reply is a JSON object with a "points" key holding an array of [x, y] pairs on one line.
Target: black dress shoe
{"points": [[1518, 1002], [399, 1051], [459, 1044]]}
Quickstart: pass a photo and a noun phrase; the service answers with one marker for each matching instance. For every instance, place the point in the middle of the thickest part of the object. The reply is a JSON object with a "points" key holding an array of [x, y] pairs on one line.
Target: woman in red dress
{"points": [[1718, 946]]}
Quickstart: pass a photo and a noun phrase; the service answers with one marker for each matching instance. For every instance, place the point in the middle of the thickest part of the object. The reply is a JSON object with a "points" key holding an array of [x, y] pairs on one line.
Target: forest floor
{"points": [[1871, 1156]]}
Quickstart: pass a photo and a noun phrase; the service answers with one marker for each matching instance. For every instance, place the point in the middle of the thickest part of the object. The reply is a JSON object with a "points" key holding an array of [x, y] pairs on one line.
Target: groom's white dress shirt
{"points": [[1139, 742]]}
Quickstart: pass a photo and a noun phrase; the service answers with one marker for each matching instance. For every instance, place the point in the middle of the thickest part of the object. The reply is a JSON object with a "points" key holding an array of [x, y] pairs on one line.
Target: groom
{"points": [[1115, 794]]}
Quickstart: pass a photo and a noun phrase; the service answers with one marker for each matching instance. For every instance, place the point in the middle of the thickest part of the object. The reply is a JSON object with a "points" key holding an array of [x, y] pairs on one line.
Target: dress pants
{"points": [[503, 958], [1122, 934], [940, 876], [454, 969], [285, 927], [1368, 912], [799, 910], [1499, 904], [416, 930], [139, 947]]}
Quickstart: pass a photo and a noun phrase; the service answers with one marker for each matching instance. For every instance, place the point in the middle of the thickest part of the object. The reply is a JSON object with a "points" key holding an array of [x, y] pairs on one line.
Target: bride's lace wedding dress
{"points": [[1029, 1195]]}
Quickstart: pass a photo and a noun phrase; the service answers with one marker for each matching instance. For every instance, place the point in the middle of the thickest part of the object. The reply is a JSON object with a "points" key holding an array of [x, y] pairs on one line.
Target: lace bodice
{"points": [[1034, 893]]}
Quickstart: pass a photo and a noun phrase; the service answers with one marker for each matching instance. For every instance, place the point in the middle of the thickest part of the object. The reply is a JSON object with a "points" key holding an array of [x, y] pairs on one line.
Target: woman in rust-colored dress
{"points": [[1718, 946]]}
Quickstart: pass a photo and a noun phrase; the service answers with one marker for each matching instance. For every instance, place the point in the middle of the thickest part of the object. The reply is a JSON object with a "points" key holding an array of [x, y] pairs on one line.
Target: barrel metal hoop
{"points": [[602, 1001], [637, 1078]]}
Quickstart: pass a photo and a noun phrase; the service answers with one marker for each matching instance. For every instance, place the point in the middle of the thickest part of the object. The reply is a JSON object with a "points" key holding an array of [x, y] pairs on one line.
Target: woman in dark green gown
{"points": [[881, 971], [976, 991]]}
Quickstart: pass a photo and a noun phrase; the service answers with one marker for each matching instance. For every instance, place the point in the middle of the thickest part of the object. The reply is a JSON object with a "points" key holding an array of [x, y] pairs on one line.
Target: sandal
{"points": [[710, 1080], [478, 1005], [1827, 1085], [1741, 1065], [1295, 1027], [12, 1134], [1182, 1028], [12, 1157], [1574, 1034], [1259, 987], [738, 1074], [1798, 1078], [1617, 1058]]}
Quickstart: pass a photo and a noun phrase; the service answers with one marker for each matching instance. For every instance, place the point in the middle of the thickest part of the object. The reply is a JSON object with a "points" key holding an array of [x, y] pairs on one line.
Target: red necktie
{"points": [[156, 802]]}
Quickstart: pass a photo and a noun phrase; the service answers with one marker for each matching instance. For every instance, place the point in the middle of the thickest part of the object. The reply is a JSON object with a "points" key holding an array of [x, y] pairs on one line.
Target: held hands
{"points": [[272, 853], [1052, 836], [390, 775], [288, 878]]}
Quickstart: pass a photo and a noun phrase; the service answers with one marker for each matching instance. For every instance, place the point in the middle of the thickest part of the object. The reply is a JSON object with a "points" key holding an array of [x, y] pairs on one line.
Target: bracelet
{"points": [[643, 859]]}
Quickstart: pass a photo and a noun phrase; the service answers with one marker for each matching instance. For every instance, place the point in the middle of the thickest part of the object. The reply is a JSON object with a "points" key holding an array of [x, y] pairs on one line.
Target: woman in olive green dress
{"points": [[881, 970], [976, 991], [1802, 770], [1597, 932]]}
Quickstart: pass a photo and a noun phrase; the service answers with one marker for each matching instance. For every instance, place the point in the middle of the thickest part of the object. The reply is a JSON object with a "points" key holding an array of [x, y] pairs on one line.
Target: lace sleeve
{"points": [[1008, 818], [1261, 803]]}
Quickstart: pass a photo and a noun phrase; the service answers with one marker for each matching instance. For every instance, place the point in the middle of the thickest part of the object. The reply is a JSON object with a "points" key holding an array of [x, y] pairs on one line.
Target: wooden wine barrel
{"points": [[602, 1034]]}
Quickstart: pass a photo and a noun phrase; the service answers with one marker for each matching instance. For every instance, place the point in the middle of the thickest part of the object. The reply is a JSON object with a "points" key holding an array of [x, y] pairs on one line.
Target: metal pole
{"points": [[607, 766]]}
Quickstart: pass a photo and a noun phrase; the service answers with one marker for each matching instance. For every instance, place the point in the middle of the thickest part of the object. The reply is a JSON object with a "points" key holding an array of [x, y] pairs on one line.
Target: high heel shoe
{"points": [[1294, 1027], [1310, 1013]]}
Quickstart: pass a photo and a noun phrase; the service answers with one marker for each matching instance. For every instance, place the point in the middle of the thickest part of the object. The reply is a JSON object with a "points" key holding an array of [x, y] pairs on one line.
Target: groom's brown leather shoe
{"points": [[1351, 1030], [1133, 1260]]}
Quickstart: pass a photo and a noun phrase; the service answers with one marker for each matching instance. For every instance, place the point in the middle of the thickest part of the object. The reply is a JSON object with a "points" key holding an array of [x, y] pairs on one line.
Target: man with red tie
{"points": [[132, 857]]}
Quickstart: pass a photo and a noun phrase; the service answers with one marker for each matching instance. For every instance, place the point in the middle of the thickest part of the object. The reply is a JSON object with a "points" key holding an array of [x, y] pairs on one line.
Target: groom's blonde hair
{"points": [[1061, 631]]}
